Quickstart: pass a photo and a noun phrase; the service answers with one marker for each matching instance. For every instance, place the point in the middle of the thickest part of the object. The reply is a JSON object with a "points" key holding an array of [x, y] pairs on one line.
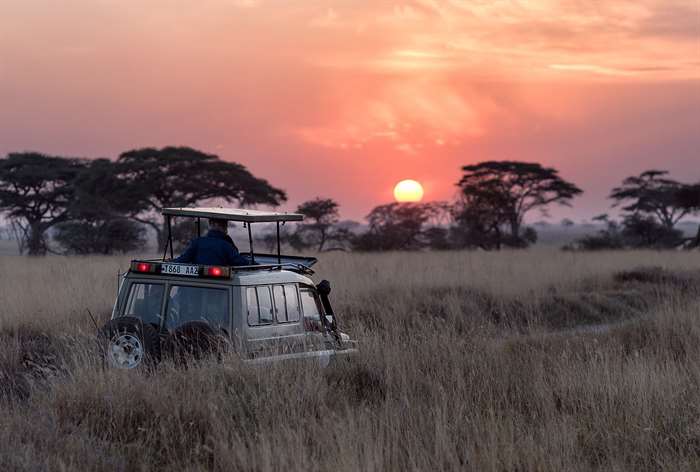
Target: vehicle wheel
{"points": [[130, 343], [197, 339]]}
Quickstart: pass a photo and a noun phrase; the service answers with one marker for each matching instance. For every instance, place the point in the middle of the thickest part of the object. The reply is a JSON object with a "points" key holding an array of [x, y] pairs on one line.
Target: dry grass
{"points": [[469, 361]]}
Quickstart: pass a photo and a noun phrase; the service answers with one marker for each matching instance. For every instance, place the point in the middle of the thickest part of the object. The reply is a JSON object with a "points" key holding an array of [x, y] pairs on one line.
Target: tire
{"points": [[197, 340], [129, 343]]}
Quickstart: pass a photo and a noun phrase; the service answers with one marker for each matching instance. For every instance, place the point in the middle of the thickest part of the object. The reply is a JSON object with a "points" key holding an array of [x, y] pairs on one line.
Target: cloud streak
{"points": [[429, 46]]}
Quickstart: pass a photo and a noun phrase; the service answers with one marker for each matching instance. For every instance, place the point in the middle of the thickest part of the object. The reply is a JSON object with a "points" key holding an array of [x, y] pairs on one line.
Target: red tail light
{"points": [[215, 272], [143, 267]]}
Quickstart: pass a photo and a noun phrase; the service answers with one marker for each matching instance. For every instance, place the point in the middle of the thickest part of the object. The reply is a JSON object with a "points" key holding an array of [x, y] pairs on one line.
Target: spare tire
{"points": [[197, 340], [130, 343]]}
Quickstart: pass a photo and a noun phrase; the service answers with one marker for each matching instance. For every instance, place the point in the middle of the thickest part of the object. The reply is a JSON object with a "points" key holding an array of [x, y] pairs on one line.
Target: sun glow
{"points": [[408, 191]]}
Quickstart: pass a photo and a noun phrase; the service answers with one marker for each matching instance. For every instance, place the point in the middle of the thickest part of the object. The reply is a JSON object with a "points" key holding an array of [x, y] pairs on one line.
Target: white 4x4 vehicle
{"points": [[267, 311]]}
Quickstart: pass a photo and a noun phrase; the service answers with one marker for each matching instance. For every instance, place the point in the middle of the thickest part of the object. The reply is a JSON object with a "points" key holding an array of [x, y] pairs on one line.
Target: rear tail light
{"points": [[143, 267], [220, 272]]}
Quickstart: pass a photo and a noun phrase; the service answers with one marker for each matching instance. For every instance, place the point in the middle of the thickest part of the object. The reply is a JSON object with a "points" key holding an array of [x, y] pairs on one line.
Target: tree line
{"points": [[104, 206], [652, 205], [489, 213], [80, 206]]}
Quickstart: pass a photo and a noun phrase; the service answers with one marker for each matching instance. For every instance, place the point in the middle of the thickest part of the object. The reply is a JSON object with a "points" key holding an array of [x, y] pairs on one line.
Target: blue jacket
{"points": [[216, 248]]}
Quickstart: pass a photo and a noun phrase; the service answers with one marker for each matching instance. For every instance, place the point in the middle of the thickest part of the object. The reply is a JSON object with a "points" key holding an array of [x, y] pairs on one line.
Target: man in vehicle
{"points": [[216, 248]]}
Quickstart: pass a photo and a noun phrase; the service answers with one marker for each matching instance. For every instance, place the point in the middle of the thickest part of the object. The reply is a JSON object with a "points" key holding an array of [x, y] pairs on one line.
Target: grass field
{"points": [[532, 360]]}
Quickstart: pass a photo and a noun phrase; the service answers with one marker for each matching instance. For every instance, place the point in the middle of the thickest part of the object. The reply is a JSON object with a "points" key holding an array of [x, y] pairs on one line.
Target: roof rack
{"points": [[300, 268], [234, 214], [247, 217]]}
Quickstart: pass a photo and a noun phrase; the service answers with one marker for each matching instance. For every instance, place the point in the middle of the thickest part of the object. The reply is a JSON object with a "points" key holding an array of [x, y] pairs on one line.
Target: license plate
{"points": [[180, 269]]}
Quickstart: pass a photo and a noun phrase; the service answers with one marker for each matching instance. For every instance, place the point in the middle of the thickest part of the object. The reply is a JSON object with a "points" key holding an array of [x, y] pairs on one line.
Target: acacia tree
{"points": [[182, 176], [652, 193], [688, 198], [323, 213], [35, 190], [503, 192], [480, 216], [98, 213]]}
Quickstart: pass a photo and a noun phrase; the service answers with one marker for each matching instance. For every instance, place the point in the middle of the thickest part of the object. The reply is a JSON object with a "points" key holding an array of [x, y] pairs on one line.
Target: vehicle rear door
{"points": [[187, 302]]}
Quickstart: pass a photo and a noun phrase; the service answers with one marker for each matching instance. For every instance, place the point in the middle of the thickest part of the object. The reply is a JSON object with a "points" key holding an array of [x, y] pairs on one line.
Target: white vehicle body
{"points": [[269, 310], [270, 314]]}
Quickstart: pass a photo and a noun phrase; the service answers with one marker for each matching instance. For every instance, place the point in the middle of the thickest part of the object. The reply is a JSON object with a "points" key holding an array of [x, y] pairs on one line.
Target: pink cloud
{"points": [[347, 98]]}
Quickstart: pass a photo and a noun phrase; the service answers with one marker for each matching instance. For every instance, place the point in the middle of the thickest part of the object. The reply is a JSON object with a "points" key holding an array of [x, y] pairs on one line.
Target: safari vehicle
{"points": [[267, 311]]}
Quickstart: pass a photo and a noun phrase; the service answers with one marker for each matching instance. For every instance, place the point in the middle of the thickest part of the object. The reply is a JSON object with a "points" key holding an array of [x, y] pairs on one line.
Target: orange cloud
{"points": [[408, 113], [373, 89], [427, 61]]}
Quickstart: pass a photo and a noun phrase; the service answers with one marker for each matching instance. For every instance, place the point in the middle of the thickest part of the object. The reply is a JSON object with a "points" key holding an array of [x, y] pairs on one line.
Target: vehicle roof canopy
{"points": [[234, 214]]}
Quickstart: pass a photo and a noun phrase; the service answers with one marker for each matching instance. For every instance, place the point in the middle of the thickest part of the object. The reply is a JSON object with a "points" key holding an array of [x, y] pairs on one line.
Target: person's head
{"points": [[218, 224]]}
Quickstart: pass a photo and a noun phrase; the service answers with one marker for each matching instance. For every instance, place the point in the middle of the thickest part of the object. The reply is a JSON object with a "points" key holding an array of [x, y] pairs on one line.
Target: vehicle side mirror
{"points": [[324, 287]]}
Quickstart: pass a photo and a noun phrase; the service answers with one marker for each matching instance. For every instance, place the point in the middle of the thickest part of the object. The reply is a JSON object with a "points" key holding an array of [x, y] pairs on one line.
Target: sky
{"points": [[343, 99]]}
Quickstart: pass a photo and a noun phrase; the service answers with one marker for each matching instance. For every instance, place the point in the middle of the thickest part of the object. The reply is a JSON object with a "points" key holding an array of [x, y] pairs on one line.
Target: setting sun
{"points": [[408, 191]]}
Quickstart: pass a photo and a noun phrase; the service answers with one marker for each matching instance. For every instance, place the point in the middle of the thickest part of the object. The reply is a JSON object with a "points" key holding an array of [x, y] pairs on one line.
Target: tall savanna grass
{"points": [[529, 360]]}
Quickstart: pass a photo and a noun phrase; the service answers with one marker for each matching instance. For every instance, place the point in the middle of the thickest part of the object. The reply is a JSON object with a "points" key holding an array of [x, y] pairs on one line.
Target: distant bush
{"points": [[401, 226], [103, 237], [636, 231], [640, 231]]}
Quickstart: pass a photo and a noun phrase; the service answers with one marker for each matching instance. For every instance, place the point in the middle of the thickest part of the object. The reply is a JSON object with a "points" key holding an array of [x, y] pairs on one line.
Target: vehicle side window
{"points": [[290, 293], [286, 303], [310, 303], [144, 302], [253, 314], [260, 311], [187, 304], [280, 303]]}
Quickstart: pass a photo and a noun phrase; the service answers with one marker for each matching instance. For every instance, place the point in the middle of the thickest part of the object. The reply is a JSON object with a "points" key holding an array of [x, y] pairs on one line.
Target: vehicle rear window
{"points": [[310, 303], [260, 310], [144, 302], [187, 303], [286, 303]]}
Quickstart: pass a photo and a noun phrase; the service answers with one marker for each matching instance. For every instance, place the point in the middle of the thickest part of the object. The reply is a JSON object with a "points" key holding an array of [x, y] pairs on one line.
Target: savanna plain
{"points": [[530, 360]]}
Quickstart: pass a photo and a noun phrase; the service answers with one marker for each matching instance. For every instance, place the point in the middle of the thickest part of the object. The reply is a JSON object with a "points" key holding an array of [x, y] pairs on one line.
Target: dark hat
{"points": [[218, 222]]}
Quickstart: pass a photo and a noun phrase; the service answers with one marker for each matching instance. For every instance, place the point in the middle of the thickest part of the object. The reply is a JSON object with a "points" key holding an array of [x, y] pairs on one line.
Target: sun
{"points": [[408, 191]]}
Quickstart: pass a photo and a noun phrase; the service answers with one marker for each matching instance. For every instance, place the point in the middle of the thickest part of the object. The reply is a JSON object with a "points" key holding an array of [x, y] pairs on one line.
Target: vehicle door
{"points": [[273, 320], [312, 311], [190, 302]]}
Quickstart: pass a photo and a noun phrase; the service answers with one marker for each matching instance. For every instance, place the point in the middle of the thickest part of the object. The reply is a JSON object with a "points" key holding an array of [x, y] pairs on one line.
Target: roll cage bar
{"points": [[247, 217]]}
